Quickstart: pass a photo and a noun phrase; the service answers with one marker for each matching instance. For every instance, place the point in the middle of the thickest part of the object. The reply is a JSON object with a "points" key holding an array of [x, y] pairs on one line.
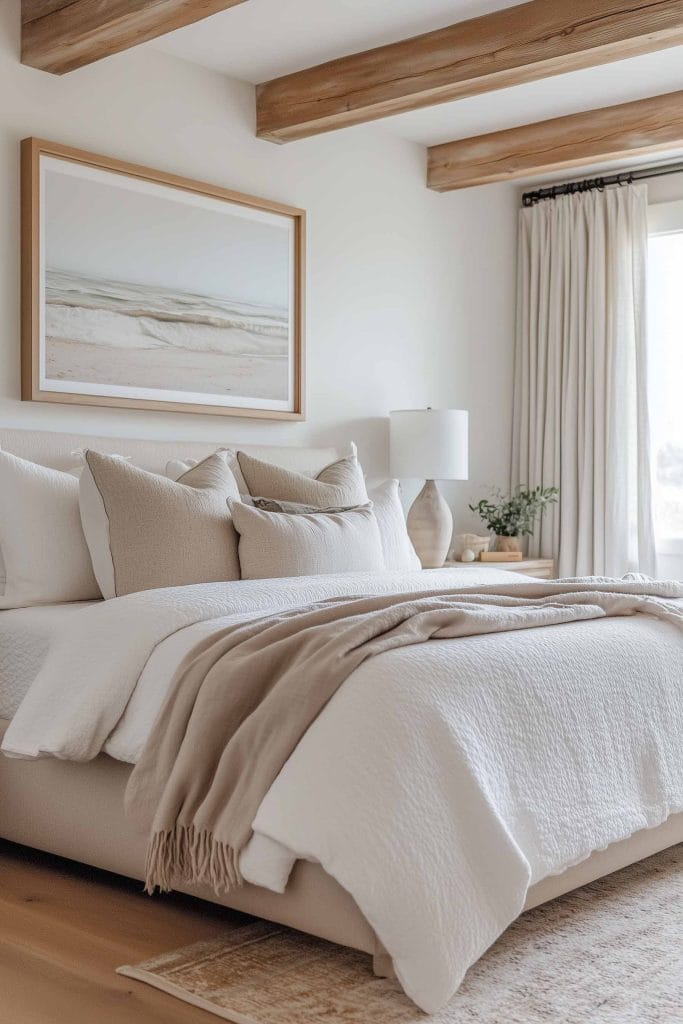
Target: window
{"points": [[665, 337]]}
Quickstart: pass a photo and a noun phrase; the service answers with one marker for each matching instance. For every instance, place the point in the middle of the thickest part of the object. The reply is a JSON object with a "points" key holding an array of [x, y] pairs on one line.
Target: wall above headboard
{"points": [[410, 295]]}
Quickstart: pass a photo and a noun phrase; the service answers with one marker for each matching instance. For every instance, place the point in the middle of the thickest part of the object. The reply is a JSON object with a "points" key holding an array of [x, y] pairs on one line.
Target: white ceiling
{"points": [[263, 39], [603, 86]]}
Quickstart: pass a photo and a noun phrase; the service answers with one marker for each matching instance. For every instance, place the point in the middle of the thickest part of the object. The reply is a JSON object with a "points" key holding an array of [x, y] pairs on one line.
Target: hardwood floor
{"points": [[64, 928]]}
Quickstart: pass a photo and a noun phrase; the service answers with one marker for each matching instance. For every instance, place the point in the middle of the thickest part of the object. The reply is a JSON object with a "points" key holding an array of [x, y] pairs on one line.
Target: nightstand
{"points": [[541, 568]]}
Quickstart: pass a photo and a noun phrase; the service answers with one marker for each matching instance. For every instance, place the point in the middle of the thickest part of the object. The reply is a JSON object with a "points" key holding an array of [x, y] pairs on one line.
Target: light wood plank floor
{"points": [[64, 929]]}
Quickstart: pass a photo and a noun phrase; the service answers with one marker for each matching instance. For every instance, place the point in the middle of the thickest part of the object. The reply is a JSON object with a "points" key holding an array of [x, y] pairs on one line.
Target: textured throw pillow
{"points": [[176, 468], [397, 546], [145, 531], [275, 544], [399, 553], [340, 485], [44, 552], [292, 508], [79, 457]]}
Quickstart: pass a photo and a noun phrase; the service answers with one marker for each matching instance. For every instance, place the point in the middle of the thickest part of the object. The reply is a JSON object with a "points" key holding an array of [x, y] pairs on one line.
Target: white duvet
{"points": [[440, 782]]}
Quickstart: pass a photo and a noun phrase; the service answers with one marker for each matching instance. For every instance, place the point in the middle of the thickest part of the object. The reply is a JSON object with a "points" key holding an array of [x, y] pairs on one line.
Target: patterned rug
{"points": [[610, 953]]}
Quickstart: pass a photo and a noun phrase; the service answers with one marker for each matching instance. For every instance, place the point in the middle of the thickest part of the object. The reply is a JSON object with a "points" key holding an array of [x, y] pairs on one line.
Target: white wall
{"points": [[410, 294]]}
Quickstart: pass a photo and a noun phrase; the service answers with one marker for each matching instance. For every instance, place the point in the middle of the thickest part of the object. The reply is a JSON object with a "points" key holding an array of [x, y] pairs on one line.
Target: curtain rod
{"points": [[588, 184]]}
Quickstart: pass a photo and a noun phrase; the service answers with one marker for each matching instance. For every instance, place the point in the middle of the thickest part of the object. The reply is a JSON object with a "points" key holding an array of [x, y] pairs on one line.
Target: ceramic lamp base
{"points": [[430, 526]]}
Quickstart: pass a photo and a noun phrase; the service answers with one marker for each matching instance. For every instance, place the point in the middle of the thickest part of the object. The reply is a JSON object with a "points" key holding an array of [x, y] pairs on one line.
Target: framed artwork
{"points": [[150, 291]]}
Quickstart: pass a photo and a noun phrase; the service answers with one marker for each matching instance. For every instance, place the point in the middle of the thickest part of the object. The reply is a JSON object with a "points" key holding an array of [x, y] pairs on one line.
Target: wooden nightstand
{"points": [[541, 568]]}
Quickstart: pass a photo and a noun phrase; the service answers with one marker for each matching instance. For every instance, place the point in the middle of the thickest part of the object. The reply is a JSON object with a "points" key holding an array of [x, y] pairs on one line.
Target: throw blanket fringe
{"points": [[192, 855]]}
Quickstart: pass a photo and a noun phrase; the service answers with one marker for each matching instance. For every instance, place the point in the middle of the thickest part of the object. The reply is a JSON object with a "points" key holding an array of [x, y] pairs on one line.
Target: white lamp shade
{"points": [[429, 444]]}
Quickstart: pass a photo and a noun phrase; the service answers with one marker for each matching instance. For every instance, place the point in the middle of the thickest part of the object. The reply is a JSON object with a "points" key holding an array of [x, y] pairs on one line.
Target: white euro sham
{"points": [[399, 553], [43, 547]]}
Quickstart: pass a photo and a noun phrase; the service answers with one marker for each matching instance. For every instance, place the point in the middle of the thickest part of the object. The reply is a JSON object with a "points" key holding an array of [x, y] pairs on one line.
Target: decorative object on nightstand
{"points": [[511, 555], [463, 542], [429, 444], [541, 568], [513, 516]]}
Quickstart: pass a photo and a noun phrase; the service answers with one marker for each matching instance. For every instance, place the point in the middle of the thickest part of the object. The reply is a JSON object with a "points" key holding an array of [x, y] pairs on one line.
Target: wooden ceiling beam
{"points": [[518, 44], [595, 136], [62, 35]]}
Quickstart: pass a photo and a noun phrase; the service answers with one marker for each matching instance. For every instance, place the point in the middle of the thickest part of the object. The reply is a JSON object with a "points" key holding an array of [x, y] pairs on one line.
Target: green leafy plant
{"points": [[515, 514]]}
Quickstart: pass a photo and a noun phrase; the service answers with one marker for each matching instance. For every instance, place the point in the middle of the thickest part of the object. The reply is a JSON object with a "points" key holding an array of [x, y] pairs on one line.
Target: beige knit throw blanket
{"points": [[244, 697]]}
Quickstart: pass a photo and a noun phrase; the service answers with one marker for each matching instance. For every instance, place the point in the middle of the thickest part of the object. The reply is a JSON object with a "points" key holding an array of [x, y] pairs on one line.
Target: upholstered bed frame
{"points": [[76, 810]]}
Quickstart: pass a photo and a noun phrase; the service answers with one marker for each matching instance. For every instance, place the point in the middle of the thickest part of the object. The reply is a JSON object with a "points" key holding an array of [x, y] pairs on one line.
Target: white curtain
{"points": [[580, 402]]}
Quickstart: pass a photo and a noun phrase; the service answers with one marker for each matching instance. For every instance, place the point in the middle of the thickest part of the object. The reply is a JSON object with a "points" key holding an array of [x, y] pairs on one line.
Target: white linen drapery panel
{"points": [[580, 389]]}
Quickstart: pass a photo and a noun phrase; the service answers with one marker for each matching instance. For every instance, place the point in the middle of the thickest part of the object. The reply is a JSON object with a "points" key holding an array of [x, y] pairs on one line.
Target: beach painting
{"points": [[131, 335], [152, 295]]}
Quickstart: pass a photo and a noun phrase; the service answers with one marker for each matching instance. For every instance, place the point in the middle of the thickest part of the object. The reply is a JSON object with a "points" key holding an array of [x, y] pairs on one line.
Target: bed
{"points": [[76, 809]]}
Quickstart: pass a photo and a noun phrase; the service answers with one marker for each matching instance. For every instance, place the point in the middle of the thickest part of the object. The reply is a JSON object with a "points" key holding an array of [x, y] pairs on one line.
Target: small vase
{"points": [[508, 543]]}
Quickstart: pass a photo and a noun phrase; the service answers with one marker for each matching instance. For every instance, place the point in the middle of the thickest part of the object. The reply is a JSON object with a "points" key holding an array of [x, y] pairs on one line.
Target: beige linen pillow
{"points": [[275, 544], [175, 468], [145, 531], [340, 485]]}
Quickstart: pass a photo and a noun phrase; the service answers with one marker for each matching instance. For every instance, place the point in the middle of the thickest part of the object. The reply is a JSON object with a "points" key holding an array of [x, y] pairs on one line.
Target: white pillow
{"points": [[276, 544], [399, 552], [79, 456], [44, 551]]}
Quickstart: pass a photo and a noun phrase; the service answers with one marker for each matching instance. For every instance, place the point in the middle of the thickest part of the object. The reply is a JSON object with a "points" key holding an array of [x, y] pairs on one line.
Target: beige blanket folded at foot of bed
{"points": [[242, 700]]}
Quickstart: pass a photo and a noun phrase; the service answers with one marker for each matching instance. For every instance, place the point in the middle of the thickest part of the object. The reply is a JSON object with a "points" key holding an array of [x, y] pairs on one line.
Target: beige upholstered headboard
{"points": [[56, 450]]}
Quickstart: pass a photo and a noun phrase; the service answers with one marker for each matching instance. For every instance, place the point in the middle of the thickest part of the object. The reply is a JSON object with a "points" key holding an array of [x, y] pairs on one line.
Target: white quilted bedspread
{"points": [[26, 635], [439, 783]]}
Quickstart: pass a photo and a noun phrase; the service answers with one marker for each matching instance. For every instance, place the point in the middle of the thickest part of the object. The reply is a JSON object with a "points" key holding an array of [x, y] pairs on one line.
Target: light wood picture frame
{"points": [[146, 290]]}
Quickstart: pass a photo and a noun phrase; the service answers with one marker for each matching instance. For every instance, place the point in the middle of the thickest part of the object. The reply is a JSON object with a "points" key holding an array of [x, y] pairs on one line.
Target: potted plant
{"points": [[512, 516]]}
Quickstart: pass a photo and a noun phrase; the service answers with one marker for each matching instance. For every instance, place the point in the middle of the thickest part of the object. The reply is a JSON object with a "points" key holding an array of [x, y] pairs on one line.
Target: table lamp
{"points": [[429, 444]]}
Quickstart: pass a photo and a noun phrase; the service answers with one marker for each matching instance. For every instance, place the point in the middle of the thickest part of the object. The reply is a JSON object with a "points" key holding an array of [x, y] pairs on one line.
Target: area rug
{"points": [[609, 953]]}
